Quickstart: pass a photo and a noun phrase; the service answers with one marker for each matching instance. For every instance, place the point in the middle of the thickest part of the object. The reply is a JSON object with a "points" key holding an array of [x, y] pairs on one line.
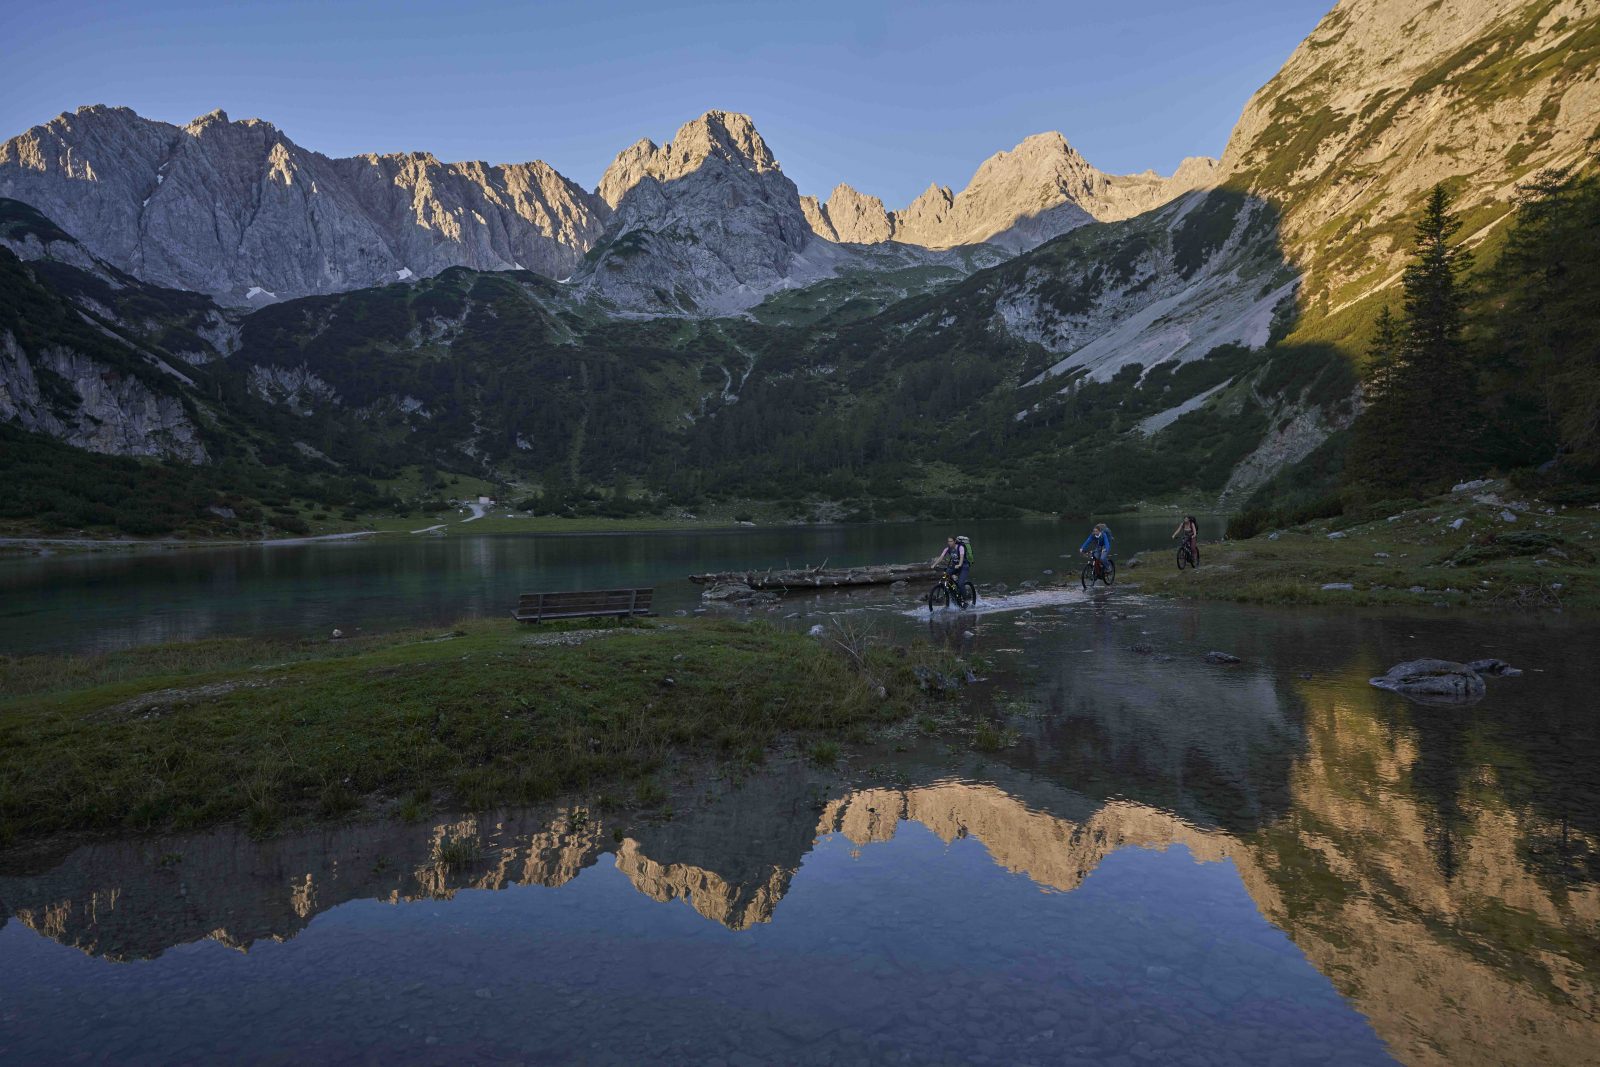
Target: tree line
{"points": [[1493, 372]]}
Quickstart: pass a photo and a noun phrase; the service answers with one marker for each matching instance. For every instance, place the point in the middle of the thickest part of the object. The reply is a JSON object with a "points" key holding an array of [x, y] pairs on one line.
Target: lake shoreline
{"points": [[278, 734], [1462, 550], [400, 528]]}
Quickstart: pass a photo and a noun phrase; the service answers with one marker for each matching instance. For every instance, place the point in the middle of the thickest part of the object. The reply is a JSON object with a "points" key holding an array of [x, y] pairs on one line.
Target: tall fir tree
{"points": [[1418, 428], [1435, 376], [1379, 435], [1540, 335]]}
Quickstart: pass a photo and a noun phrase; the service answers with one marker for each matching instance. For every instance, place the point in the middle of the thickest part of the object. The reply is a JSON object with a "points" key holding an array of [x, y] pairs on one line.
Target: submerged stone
{"points": [[1433, 681]]}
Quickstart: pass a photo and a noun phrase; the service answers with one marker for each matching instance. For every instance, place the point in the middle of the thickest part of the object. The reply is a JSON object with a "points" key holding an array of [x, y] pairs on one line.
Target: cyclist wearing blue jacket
{"points": [[1098, 543]]}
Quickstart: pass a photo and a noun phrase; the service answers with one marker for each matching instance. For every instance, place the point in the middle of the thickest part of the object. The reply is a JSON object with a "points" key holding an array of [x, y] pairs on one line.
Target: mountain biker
{"points": [[955, 559], [1190, 531], [1097, 544]]}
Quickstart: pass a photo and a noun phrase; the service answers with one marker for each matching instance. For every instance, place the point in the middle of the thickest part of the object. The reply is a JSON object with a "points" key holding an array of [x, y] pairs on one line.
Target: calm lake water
{"points": [[107, 600], [1168, 862]]}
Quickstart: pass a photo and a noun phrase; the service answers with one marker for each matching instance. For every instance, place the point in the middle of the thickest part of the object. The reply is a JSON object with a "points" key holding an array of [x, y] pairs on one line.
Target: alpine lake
{"points": [[1161, 860]]}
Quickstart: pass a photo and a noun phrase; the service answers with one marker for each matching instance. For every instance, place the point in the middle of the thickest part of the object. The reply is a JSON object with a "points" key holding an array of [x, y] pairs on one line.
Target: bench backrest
{"points": [[585, 602]]}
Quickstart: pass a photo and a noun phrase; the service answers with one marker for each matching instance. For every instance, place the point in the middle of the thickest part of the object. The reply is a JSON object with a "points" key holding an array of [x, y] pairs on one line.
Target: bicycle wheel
{"points": [[938, 596], [971, 592], [1184, 559], [1087, 576], [1110, 574]]}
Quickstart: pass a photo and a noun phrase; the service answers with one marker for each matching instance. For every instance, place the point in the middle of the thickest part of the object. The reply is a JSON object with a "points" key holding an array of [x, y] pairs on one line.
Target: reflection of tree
{"points": [[1436, 777]]}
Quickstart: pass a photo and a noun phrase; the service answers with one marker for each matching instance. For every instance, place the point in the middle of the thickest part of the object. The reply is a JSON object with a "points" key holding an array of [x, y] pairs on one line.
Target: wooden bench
{"points": [[537, 607]]}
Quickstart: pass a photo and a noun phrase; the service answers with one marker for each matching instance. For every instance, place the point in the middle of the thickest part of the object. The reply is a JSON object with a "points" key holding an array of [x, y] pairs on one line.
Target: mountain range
{"points": [[240, 212], [1050, 336]]}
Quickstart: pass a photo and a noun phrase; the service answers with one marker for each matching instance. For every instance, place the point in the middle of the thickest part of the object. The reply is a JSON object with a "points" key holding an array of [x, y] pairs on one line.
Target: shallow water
{"points": [[1165, 862], [109, 600]]}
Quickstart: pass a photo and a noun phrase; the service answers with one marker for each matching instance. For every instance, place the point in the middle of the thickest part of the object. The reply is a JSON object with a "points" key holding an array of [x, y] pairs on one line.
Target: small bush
{"points": [[824, 753]]}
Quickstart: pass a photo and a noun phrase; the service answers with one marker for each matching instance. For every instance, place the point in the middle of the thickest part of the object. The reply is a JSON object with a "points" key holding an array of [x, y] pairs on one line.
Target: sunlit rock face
{"points": [[1017, 199], [239, 211], [1386, 98]]}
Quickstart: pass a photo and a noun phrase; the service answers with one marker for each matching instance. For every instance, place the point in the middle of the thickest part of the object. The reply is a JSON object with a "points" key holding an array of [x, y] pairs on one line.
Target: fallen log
{"points": [[822, 577]]}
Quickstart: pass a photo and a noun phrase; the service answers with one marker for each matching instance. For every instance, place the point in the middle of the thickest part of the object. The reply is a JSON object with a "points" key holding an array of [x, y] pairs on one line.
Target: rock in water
{"points": [[1433, 681], [1222, 659]]}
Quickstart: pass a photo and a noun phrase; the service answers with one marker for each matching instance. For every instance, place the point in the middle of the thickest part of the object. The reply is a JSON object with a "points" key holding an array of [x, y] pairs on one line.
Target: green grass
{"points": [[1543, 561], [267, 733]]}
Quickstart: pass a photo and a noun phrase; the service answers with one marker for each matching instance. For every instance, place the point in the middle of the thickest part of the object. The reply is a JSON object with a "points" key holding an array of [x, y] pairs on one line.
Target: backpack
{"points": [[966, 544]]}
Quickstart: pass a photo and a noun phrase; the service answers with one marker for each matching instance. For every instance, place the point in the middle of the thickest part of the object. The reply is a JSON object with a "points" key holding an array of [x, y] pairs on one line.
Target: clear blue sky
{"points": [[887, 96]]}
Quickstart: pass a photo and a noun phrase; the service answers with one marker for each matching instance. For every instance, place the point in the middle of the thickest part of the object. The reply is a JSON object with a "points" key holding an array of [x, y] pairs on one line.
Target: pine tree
{"points": [[1540, 337], [1434, 377], [1379, 436], [1420, 388], [1383, 357]]}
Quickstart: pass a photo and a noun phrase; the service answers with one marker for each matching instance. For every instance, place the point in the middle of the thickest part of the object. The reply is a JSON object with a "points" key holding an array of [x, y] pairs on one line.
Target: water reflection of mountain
{"points": [[1212, 744], [1491, 956]]}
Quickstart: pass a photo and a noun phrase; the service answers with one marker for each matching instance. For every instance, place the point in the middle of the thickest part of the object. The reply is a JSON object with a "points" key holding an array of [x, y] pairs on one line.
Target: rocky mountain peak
{"points": [[708, 221], [728, 138], [213, 119], [1016, 199]]}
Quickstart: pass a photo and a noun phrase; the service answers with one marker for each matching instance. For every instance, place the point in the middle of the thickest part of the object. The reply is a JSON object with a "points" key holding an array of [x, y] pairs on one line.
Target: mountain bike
{"points": [[1095, 571], [947, 591], [1188, 554]]}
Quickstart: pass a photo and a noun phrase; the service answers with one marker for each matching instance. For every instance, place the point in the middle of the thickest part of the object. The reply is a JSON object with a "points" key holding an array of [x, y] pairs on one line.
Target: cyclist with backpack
{"points": [[1097, 544], [956, 559]]}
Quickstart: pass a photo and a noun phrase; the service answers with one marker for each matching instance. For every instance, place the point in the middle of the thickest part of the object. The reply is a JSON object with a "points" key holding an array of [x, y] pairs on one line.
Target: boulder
{"points": [[1337, 585], [1222, 659], [1433, 681], [1144, 648]]}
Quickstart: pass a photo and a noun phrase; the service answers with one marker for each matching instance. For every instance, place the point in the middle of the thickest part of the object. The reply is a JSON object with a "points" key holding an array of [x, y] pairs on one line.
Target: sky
{"points": [[890, 97]]}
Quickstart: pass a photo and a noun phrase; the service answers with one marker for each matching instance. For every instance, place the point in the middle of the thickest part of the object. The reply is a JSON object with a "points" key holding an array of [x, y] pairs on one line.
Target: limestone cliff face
{"points": [[239, 211], [1016, 200], [73, 398], [705, 223], [1386, 98], [73, 368]]}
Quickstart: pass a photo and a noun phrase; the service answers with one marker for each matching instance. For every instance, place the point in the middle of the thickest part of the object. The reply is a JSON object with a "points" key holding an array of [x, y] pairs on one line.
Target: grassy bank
{"points": [[189, 735], [1458, 550]]}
